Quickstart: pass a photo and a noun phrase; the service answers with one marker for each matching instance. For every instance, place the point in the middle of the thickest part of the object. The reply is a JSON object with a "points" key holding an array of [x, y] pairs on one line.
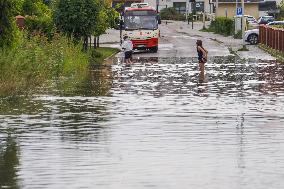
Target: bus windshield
{"points": [[140, 20]]}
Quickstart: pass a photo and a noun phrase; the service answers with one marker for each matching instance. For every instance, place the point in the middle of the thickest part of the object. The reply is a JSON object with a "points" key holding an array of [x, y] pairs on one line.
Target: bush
{"points": [[171, 14], [35, 61], [35, 7], [222, 25], [42, 25]]}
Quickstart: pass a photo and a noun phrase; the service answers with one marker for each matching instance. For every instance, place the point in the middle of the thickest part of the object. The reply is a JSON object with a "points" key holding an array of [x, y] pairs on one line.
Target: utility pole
{"points": [[193, 5], [236, 18], [216, 10], [243, 23], [204, 14], [157, 6]]}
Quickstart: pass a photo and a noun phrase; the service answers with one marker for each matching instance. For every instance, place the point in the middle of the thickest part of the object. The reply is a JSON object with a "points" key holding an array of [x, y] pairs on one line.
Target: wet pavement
{"points": [[178, 40], [160, 123]]}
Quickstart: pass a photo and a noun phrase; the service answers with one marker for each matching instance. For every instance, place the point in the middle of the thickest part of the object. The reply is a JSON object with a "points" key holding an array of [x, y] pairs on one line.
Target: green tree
{"points": [[107, 18], [77, 19], [171, 14], [8, 27], [35, 7], [39, 17]]}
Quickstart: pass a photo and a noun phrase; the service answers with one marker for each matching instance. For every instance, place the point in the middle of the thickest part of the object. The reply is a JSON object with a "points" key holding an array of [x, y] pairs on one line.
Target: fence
{"points": [[272, 37]]}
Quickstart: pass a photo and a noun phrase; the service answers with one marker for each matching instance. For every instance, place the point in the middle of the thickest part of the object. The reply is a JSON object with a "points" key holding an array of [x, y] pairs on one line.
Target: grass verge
{"points": [[98, 55], [36, 63], [275, 53]]}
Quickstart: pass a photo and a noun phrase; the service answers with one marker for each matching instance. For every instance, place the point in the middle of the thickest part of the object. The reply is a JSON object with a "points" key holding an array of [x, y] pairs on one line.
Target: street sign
{"points": [[239, 11]]}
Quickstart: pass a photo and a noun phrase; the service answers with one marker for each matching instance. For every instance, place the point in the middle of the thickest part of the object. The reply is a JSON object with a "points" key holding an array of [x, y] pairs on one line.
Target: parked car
{"points": [[250, 19], [251, 36], [265, 19], [252, 22], [276, 23]]}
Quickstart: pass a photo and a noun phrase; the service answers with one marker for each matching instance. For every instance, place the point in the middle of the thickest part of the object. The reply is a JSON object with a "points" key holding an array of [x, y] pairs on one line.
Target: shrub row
{"points": [[171, 14], [222, 25], [42, 25]]}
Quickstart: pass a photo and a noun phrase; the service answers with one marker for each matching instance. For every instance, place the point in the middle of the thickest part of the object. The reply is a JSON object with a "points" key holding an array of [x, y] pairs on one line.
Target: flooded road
{"points": [[160, 123]]}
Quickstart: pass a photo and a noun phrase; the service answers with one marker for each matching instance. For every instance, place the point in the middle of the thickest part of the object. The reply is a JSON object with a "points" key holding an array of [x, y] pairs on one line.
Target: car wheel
{"points": [[253, 39]]}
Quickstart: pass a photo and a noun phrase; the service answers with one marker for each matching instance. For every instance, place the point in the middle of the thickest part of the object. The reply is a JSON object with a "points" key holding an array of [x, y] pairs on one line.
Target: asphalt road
{"points": [[178, 40]]}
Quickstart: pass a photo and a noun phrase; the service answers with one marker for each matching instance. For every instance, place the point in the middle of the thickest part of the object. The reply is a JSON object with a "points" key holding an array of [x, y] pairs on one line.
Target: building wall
{"points": [[152, 3], [250, 9]]}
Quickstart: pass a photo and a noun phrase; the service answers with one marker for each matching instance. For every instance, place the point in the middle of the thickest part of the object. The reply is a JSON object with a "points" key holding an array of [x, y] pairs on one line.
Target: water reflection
{"points": [[9, 162], [160, 123]]}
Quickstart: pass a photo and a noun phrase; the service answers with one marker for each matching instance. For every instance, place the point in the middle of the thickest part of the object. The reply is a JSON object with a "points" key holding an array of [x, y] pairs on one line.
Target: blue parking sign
{"points": [[239, 11]]}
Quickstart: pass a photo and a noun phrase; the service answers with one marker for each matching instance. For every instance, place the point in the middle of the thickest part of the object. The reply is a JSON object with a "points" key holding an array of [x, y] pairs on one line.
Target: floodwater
{"points": [[160, 123]]}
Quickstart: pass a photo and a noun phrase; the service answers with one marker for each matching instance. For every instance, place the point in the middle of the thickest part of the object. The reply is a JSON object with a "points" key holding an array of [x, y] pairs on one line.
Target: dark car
{"points": [[265, 19]]}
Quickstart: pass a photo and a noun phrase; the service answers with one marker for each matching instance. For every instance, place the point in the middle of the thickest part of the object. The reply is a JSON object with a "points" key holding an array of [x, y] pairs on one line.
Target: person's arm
{"points": [[131, 45], [123, 45]]}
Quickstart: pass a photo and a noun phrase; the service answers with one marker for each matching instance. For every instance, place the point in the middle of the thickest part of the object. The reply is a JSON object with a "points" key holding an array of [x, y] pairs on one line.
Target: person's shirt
{"points": [[127, 45]]}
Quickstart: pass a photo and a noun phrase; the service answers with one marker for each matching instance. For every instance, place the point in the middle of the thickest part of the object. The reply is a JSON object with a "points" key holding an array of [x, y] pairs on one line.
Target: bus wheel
{"points": [[154, 49]]}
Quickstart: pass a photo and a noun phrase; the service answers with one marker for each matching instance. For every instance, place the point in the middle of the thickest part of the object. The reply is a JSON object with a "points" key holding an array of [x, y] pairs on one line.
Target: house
{"points": [[126, 3], [182, 6], [268, 7], [227, 8]]}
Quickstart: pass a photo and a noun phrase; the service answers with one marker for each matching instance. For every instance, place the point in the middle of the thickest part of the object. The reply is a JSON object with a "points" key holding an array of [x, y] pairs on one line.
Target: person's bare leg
{"points": [[127, 61]]}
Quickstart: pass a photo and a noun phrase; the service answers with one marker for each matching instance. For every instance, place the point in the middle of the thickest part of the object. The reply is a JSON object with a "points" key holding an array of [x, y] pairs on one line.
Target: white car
{"points": [[251, 36]]}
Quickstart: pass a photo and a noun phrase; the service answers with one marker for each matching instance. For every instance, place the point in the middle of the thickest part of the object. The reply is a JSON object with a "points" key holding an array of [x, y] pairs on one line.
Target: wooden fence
{"points": [[272, 37]]}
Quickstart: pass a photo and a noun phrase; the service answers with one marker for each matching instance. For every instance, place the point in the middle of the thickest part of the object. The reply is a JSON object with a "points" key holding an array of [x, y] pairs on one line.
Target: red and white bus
{"points": [[141, 26]]}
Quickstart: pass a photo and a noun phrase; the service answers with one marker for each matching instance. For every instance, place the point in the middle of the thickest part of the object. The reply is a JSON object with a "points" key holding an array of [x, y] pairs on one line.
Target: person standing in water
{"points": [[127, 46], [202, 58]]}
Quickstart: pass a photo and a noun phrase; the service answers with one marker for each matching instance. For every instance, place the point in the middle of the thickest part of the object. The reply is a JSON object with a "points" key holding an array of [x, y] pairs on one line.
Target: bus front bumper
{"points": [[145, 44]]}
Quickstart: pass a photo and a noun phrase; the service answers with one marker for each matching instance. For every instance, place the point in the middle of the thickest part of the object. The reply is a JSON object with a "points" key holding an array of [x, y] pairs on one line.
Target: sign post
{"points": [[243, 23], [239, 11]]}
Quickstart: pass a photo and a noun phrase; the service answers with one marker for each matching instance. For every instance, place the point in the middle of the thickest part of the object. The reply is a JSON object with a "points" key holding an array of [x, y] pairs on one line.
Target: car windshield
{"points": [[141, 22], [267, 18]]}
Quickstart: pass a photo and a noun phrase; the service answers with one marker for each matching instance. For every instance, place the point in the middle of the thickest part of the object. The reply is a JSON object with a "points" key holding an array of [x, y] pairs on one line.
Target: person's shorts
{"points": [[128, 54]]}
